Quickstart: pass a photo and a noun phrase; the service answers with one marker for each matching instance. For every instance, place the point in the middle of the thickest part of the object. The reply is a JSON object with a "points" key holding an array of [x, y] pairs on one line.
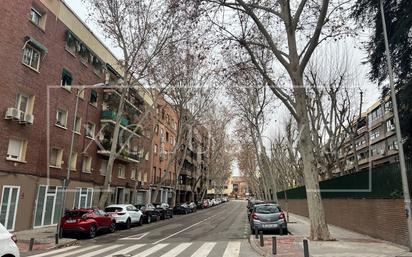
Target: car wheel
{"points": [[128, 223], [92, 231], [149, 219], [112, 227]]}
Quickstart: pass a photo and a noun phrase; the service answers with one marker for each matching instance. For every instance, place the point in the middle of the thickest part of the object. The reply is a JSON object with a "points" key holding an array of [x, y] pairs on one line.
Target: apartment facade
{"points": [[47, 52], [375, 141]]}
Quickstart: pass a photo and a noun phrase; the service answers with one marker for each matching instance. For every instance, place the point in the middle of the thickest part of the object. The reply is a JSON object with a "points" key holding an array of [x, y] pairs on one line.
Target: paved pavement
{"points": [[219, 231]]}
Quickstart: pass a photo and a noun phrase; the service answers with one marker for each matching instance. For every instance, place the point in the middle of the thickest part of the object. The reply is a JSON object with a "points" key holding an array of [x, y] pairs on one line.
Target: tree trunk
{"points": [[318, 227]]}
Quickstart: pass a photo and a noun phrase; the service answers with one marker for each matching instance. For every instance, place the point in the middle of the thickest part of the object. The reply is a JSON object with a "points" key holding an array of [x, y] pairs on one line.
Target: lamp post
{"points": [[405, 186], [67, 179]]}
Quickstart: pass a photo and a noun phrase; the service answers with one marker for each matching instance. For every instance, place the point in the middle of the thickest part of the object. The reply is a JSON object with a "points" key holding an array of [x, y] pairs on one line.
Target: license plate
{"points": [[270, 225], [70, 221]]}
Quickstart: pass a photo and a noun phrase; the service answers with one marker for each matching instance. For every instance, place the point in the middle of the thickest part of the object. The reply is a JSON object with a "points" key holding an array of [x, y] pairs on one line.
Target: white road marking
{"points": [[177, 250], [204, 250], [150, 250], [127, 250], [79, 251], [56, 251], [232, 249], [98, 252], [178, 232], [134, 237]]}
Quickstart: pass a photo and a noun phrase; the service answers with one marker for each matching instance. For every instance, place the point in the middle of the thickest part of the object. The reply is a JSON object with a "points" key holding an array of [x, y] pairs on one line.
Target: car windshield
{"points": [[266, 209], [75, 213], [113, 209]]}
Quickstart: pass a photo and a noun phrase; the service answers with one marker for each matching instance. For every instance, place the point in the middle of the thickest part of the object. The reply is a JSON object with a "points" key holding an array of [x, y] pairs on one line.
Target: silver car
{"points": [[268, 217]]}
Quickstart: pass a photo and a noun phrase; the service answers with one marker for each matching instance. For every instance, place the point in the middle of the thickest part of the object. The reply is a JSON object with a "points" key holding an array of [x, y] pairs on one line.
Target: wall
{"points": [[378, 218]]}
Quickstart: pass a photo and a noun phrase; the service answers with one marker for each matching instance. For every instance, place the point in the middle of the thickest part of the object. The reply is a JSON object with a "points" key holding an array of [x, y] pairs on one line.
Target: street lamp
{"points": [[405, 186], [67, 179]]}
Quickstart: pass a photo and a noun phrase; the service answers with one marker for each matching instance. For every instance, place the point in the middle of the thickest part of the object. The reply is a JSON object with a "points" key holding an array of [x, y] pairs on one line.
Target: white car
{"points": [[8, 245], [125, 214]]}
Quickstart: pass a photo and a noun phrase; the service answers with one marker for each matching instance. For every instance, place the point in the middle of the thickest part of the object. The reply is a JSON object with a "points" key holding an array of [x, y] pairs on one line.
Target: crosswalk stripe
{"points": [[204, 250], [56, 251], [79, 251], [151, 250], [126, 250], [232, 249], [177, 250], [95, 253]]}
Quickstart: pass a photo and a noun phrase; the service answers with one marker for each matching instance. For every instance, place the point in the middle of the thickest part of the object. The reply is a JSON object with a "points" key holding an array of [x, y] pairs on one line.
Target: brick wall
{"points": [[378, 218]]}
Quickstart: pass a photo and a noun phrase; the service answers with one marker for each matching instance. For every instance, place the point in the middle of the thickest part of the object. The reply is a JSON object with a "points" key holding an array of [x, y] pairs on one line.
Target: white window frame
{"points": [[123, 169], [38, 15], [19, 100], [44, 205], [59, 158], [78, 125], [57, 118], [155, 149], [101, 167], [8, 206], [21, 157], [92, 130], [133, 174], [32, 49], [88, 201], [88, 160], [73, 159]]}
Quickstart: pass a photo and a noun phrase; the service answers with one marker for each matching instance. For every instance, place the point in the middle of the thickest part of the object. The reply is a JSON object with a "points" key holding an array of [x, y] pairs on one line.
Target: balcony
{"points": [[125, 155], [111, 115], [133, 100]]}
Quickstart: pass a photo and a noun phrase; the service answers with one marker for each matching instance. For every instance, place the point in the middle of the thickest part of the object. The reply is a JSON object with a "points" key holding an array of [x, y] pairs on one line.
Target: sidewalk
{"points": [[347, 244], [44, 238]]}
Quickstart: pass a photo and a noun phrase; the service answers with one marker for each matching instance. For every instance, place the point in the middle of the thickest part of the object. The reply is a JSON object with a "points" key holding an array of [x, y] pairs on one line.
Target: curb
{"points": [[255, 247]]}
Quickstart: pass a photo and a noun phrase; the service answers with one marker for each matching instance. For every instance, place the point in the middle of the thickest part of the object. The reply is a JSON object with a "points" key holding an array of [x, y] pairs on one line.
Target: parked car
{"points": [[150, 214], [192, 206], [203, 204], [181, 209], [213, 202], [268, 217], [125, 214], [250, 206], [164, 210], [86, 221], [8, 242]]}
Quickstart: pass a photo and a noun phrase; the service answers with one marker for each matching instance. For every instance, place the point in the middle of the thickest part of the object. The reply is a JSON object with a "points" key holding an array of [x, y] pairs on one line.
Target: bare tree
{"points": [[290, 31]]}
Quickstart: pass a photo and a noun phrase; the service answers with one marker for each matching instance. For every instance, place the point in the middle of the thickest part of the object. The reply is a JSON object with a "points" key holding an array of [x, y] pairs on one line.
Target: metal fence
{"points": [[385, 183]]}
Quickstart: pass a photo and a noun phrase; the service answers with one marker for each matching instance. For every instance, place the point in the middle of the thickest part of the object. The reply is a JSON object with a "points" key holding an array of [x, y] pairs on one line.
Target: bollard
{"points": [[262, 243], [305, 248], [31, 244], [274, 246], [256, 232], [56, 239]]}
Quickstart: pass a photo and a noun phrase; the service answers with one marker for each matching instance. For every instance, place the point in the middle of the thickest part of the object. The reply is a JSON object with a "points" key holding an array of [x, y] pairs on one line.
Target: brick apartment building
{"points": [[375, 141], [46, 50]]}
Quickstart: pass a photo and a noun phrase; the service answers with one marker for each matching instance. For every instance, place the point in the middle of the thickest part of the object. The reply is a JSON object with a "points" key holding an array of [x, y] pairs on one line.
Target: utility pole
{"points": [[405, 186]]}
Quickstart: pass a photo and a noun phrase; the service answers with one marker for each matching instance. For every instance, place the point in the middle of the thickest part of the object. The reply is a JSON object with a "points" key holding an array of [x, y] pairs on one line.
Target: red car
{"points": [[87, 221]]}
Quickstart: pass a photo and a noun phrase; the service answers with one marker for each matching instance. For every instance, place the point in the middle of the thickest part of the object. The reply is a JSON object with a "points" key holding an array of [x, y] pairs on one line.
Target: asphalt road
{"points": [[215, 232]]}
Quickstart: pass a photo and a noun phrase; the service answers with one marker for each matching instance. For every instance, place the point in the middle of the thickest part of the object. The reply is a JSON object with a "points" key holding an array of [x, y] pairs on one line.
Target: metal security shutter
{"points": [[140, 198]]}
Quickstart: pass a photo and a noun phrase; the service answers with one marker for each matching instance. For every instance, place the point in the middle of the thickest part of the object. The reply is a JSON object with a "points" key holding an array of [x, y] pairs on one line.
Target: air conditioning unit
{"points": [[27, 118], [12, 113]]}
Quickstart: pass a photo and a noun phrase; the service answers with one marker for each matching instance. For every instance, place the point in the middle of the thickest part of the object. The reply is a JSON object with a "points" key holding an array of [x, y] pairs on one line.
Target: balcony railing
{"points": [[111, 115]]}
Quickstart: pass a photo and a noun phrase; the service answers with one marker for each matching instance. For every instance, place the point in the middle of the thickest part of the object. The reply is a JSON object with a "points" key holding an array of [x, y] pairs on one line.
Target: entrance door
{"points": [[8, 208]]}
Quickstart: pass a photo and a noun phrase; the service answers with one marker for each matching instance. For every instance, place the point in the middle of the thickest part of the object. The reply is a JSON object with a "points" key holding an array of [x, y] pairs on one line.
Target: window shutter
{"points": [[14, 148]]}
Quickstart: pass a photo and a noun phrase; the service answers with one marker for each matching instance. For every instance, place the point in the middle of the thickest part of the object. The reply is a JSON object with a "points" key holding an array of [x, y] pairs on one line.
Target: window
{"points": [[22, 102], [157, 129], [388, 106], [87, 164], [90, 128], [56, 156], [93, 97], [73, 161], [121, 172], [133, 174], [375, 134], [375, 114], [139, 175], [155, 149], [390, 125], [167, 118], [16, 150], [35, 16], [393, 145], [83, 198], [77, 124], [48, 205], [167, 136], [103, 167], [66, 79], [8, 207], [145, 177], [61, 118], [31, 57]]}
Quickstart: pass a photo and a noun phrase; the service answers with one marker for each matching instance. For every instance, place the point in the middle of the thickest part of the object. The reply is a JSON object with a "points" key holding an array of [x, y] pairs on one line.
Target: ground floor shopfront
{"points": [[28, 202]]}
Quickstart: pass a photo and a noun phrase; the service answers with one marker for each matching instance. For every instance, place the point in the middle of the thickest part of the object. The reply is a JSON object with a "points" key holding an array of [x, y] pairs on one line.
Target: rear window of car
{"points": [[75, 213], [266, 209], [113, 209]]}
